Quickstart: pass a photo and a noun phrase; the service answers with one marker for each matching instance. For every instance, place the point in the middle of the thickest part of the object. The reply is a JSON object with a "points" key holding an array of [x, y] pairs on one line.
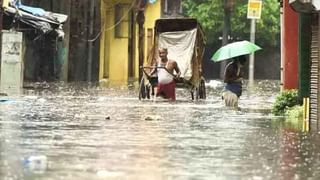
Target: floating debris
{"points": [[3, 94], [152, 117], [92, 117], [37, 164]]}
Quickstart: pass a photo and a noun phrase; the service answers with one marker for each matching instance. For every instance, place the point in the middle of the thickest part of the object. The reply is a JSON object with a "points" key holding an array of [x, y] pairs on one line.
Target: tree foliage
{"points": [[210, 14]]}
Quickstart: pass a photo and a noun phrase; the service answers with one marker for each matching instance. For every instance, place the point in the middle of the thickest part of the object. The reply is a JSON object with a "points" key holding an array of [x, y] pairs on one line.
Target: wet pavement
{"points": [[65, 131]]}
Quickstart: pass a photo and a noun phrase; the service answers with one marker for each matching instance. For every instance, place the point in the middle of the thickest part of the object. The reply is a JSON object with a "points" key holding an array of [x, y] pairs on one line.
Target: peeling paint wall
{"points": [[119, 56], [50, 60]]}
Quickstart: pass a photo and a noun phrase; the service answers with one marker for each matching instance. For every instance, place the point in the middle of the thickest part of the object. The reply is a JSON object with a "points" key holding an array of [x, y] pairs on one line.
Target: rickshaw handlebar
{"points": [[151, 67], [155, 67]]}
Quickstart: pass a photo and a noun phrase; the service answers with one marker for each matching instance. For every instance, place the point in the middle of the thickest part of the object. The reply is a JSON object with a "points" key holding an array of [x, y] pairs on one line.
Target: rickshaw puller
{"points": [[166, 79]]}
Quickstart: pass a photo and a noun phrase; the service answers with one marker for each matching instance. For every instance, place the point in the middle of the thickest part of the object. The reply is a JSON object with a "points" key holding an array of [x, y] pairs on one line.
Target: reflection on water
{"points": [[62, 131]]}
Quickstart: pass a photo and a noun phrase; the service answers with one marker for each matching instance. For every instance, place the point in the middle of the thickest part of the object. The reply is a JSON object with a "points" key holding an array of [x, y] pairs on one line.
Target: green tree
{"points": [[210, 14]]}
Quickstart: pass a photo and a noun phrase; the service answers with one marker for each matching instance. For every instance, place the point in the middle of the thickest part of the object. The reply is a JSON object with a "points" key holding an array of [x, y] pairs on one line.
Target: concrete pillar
{"points": [[304, 54], [290, 47]]}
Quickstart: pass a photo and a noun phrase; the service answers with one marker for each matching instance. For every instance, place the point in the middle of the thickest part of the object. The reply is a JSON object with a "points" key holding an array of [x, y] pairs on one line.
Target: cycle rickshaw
{"points": [[185, 41]]}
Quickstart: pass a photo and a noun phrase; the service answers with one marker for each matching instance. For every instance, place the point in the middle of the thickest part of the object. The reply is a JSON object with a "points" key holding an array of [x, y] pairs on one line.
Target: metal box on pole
{"points": [[11, 63]]}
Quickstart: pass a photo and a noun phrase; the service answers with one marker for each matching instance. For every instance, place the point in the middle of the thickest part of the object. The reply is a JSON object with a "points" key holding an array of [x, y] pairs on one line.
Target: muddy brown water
{"points": [[72, 131]]}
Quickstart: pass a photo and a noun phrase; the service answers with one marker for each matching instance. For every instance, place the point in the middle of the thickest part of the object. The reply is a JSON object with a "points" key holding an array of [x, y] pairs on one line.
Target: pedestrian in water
{"points": [[166, 79], [233, 77]]}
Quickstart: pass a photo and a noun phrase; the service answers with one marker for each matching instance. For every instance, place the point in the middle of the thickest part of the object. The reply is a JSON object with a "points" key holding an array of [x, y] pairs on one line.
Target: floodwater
{"points": [[65, 131]]}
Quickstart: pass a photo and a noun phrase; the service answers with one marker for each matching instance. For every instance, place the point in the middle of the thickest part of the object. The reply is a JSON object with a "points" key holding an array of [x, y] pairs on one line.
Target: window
{"points": [[121, 21], [171, 7]]}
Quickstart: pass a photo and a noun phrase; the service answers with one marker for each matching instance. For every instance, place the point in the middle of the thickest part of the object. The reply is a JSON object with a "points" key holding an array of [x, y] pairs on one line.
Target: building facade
{"points": [[308, 33], [127, 35]]}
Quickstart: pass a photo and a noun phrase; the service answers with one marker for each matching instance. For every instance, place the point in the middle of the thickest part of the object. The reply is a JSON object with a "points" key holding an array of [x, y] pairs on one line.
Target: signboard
{"points": [[254, 9]]}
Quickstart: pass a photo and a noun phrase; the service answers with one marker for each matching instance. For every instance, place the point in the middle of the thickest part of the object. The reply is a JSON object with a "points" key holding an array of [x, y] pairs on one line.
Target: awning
{"points": [[304, 6], [44, 21]]}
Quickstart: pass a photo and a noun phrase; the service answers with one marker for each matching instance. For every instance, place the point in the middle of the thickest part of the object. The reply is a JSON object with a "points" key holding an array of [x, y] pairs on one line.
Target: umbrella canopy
{"points": [[234, 49]]}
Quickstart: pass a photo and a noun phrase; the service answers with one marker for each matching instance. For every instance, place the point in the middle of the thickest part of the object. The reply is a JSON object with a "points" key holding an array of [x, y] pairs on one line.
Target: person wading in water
{"points": [[166, 79], [233, 81]]}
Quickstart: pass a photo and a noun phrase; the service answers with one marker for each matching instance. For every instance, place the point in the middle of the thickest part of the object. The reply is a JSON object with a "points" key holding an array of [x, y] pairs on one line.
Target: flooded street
{"points": [[62, 131]]}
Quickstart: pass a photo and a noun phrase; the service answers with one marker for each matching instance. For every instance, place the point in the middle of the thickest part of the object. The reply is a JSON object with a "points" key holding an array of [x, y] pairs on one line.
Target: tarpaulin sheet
{"points": [[45, 21], [180, 45]]}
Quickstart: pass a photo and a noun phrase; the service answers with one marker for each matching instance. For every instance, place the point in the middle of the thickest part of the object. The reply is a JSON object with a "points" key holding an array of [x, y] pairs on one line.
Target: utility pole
{"points": [[253, 13], [90, 42], [140, 20], [63, 50], [251, 57], [1, 15], [1, 22], [227, 5]]}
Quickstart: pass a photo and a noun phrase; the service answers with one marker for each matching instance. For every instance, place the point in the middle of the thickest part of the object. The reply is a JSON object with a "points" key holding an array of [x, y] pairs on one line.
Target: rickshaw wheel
{"points": [[192, 95], [202, 89], [147, 91], [142, 90], [197, 92]]}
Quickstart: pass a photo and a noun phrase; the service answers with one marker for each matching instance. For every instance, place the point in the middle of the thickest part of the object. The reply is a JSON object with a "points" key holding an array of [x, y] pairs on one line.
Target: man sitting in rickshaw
{"points": [[166, 79]]}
